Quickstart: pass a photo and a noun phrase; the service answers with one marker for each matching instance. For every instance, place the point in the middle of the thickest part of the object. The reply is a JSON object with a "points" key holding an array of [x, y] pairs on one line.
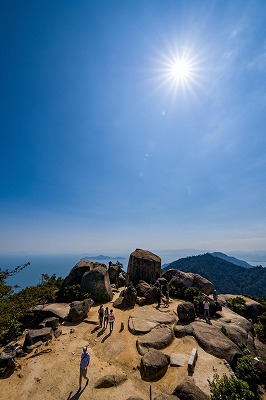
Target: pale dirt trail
{"points": [[54, 375]]}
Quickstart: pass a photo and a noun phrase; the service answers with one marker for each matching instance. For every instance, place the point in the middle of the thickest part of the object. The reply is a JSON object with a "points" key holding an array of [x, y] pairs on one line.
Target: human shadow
{"points": [[76, 395], [105, 337], [95, 329], [101, 332]]}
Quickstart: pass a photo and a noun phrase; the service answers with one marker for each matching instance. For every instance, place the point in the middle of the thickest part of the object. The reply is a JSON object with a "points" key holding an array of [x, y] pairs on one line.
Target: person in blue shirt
{"points": [[84, 363]]}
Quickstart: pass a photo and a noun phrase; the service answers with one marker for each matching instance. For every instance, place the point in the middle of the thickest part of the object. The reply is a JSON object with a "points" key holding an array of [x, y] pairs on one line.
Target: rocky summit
{"points": [[160, 348]]}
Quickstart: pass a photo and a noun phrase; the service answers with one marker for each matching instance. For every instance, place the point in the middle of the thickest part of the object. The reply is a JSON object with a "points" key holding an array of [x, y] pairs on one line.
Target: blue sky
{"points": [[102, 149]]}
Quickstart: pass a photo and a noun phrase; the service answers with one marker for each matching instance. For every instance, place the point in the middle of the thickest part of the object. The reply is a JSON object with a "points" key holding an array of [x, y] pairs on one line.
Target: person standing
{"points": [[206, 306], [101, 313], [105, 318], [111, 320], [84, 363], [215, 295]]}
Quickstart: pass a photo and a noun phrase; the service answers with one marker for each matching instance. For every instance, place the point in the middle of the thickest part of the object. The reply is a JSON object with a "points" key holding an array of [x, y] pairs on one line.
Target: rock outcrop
{"points": [[96, 282], [37, 335], [153, 365], [143, 265], [186, 311], [79, 310], [158, 338], [75, 275], [187, 390]]}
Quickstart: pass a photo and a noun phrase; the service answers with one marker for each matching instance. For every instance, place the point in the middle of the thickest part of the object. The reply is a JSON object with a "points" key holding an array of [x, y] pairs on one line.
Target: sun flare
{"points": [[180, 70]]}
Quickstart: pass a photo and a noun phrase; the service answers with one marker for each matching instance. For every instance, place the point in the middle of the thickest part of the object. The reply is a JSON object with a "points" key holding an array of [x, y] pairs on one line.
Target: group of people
{"points": [[106, 317]]}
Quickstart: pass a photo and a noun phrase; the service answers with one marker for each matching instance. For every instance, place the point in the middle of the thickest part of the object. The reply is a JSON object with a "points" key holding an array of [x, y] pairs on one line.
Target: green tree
{"points": [[229, 388]]}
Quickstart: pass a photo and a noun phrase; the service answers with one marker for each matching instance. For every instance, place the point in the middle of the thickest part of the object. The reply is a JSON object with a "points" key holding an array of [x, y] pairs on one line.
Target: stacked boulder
{"points": [[93, 279], [143, 266]]}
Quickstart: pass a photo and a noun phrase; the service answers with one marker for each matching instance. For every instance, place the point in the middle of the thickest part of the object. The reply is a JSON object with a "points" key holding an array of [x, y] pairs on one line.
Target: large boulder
{"points": [[180, 281], [186, 311], [154, 365], [127, 298], [37, 335], [7, 362], [130, 295], [151, 295], [214, 342], [142, 288], [113, 272], [158, 338], [187, 390], [97, 283], [143, 265], [79, 310], [165, 396], [75, 275]]}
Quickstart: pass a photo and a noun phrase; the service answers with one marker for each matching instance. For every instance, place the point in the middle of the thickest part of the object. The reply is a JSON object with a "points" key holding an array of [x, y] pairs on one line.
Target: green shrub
{"points": [[246, 371], [229, 388], [238, 305], [225, 331], [10, 331], [260, 327], [68, 294], [190, 293]]}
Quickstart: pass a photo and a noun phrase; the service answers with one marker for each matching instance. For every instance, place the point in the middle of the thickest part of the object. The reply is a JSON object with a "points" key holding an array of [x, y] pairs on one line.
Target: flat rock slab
{"points": [[60, 310], [158, 338], [144, 319], [177, 360]]}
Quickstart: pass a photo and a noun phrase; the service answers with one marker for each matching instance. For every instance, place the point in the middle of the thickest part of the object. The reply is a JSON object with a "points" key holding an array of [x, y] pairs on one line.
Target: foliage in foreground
{"points": [[246, 371], [14, 306], [229, 388]]}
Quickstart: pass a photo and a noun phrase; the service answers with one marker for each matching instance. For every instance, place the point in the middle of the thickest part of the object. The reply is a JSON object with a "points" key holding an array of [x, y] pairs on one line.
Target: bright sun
{"points": [[180, 70]]}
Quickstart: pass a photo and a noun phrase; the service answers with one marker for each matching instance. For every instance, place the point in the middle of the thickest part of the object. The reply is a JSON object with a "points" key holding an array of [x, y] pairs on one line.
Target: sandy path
{"points": [[54, 374]]}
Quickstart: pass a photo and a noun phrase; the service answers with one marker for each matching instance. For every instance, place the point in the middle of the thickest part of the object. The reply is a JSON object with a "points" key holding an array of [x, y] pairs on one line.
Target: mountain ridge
{"points": [[226, 276]]}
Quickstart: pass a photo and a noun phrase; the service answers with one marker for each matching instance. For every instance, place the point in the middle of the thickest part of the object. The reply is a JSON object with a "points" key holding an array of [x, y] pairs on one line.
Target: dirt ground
{"points": [[53, 371]]}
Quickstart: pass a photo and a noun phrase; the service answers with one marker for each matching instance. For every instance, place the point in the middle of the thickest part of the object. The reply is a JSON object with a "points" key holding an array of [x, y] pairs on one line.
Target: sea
{"points": [[61, 264], [58, 264]]}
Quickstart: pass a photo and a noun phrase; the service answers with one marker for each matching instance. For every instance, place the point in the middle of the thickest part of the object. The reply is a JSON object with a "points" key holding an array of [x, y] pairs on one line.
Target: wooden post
{"points": [[150, 393]]}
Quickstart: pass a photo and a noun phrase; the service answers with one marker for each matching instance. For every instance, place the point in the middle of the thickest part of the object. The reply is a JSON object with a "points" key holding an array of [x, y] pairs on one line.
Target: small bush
{"points": [[190, 293], [229, 388], [238, 305], [225, 332]]}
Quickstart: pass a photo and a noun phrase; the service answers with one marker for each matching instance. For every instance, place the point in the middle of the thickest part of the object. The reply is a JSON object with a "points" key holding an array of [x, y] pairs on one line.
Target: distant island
{"points": [[101, 257]]}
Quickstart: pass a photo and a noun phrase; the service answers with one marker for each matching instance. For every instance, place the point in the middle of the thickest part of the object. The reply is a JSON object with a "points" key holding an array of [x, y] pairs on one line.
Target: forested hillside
{"points": [[226, 277]]}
